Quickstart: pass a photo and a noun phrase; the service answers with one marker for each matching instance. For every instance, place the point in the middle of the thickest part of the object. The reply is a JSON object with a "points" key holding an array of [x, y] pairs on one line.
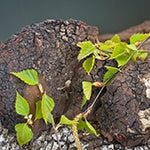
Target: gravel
{"points": [[47, 141]]}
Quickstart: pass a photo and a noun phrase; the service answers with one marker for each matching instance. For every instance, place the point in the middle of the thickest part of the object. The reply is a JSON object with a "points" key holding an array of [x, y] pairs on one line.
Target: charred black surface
{"points": [[119, 116], [50, 48]]}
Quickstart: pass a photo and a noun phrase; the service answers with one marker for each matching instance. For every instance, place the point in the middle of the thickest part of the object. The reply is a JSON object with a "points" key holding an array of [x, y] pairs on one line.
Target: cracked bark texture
{"points": [[126, 96], [50, 48]]}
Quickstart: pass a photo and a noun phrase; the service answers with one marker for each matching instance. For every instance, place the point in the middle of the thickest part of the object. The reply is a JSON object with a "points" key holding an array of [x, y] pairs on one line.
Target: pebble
{"points": [[48, 142]]}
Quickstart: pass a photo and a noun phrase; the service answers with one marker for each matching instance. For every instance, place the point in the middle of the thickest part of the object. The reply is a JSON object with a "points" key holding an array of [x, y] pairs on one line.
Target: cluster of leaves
{"points": [[44, 110], [81, 123], [113, 49], [44, 107], [78, 123]]}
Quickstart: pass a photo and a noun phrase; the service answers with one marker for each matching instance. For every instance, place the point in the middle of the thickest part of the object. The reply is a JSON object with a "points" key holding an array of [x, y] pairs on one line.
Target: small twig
{"points": [[88, 110], [55, 131], [75, 131], [76, 136], [143, 42], [52, 145]]}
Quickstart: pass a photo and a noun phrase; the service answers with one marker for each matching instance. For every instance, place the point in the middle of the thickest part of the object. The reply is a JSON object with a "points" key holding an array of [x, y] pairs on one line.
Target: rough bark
{"points": [[124, 115], [50, 48]]}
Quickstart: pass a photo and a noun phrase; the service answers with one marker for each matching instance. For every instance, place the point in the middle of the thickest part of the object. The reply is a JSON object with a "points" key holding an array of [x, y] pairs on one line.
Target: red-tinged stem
{"points": [[88, 110]]}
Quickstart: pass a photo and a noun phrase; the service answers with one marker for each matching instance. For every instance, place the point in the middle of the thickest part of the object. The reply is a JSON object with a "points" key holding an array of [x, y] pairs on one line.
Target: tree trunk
{"points": [[50, 48], [124, 114]]}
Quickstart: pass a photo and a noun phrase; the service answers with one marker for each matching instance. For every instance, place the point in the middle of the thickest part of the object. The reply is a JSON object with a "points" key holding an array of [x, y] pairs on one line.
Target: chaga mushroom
{"points": [[50, 48], [125, 111]]}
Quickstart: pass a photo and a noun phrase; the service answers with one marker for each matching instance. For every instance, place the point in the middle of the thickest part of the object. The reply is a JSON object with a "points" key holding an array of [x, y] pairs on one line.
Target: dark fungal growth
{"points": [[50, 48], [125, 112], [122, 112]]}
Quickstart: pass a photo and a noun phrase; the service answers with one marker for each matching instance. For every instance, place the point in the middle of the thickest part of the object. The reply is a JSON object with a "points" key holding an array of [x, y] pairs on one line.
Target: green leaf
{"points": [[108, 45], [86, 125], [88, 64], [21, 105], [90, 128], [135, 56], [47, 107], [87, 48], [143, 55], [84, 101], [65, 120], [103, 54], [122, 60], [81, 124], [111, 71], [51, 120], [28, 76], [132, 47], [116, 38], [87, 89], [140, 54], [118, 51], [24, 133], [138, 37], [38, 113]]}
